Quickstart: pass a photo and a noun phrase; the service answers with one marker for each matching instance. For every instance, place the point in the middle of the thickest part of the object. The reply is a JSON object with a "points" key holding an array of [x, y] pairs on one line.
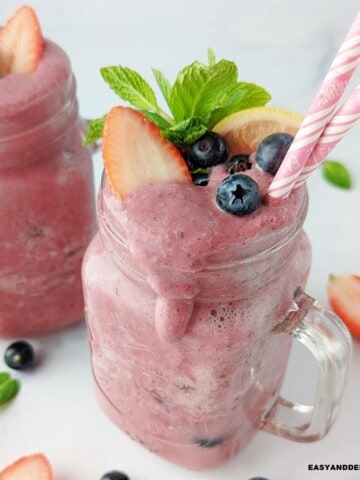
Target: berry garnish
{"points": [[135, 154], [272, 150], [32, 467], [19, 355], [238, 194], [201, 95], [238, 163], [258, 478], [21, 43], [208, 150], [114, 475], [344, 297], [200, 179], [209, 442]]}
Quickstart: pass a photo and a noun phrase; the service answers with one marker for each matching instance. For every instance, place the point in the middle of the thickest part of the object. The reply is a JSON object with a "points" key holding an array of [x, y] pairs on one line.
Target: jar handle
{"points": [[327, 338]]}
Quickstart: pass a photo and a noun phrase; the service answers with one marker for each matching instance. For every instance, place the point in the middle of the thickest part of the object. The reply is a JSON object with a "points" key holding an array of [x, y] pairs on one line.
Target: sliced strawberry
{"points": [[21, 43], [136, 154], [344, 297], [33, 467]]}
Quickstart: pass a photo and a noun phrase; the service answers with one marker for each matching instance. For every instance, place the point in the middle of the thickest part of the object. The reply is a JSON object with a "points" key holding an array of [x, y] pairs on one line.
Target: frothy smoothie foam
{"points": [[185, 284], [47, 214]]}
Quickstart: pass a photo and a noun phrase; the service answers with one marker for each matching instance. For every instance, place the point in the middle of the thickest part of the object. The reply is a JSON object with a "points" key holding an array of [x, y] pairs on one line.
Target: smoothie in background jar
{"points": [[191, 309], [47, 211]]}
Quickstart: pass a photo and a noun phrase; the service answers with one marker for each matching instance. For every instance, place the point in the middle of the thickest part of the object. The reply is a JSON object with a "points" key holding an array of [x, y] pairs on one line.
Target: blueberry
{"points": [[200, 179], [208, 150], [209, 442], [19, 355], [238, 194], [114, 475], [238, 163], [272, 150], [258, 478]]}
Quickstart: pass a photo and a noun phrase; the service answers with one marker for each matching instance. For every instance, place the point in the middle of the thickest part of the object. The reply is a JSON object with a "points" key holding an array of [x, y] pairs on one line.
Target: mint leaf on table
{"points": [[336, 174], [9, 388], [200, 97], [95, 130]]}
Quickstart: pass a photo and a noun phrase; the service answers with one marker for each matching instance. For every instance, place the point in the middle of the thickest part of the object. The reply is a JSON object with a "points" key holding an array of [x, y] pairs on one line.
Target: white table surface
{"points": [[284, 45]]}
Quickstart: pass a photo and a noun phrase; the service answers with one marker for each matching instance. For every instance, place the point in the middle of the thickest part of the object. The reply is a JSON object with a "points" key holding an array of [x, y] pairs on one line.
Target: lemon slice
{"points": [[244, 130]]}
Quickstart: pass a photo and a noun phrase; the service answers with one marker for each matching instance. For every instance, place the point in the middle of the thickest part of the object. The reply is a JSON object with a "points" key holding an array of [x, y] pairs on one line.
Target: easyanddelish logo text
{"points": [[336, 467]]}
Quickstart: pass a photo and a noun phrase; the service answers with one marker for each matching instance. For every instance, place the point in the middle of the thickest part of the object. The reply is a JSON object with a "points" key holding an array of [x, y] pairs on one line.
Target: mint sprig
{"points": [[200, 97], [9, 388], [336, 174]]}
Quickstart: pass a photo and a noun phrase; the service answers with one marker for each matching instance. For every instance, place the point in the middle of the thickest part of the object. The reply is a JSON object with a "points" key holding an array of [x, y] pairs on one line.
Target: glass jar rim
{"points": [[259, 247]]}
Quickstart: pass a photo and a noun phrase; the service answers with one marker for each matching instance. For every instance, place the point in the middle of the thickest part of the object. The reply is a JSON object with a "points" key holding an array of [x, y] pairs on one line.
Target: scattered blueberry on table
{"points": [[19, 355], [115, 475]]}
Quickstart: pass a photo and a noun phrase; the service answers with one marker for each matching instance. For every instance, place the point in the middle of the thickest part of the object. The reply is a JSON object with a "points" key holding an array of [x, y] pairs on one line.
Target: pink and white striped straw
{"points": [[345, 117], [321, 111]]}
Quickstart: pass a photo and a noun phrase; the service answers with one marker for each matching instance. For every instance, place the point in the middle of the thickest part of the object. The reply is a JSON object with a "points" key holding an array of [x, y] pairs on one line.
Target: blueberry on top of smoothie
{"points": [[238, 194], [238, 163], [272, 150], [209, 150], [200, 179]]}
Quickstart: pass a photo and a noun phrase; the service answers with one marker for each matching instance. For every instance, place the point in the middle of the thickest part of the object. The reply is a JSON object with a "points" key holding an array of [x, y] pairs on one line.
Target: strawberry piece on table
{"points": [[21, 43], [135, 153], [344, 298], [32, 467]]}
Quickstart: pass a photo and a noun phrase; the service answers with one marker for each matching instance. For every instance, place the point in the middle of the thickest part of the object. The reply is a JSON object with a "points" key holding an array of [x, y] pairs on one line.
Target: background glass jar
{"points": [[197, 395], [47, 208]]}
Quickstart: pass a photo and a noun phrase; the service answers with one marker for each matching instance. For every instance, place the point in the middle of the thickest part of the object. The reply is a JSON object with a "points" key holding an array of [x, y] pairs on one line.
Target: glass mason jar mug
{"points": [[47, 207], [197, 394]]}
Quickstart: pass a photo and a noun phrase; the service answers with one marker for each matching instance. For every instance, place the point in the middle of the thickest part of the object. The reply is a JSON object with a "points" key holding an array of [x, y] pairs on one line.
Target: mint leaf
{"points": [[201, 170], [243, 95], [199, 89], [336, 174], [95, 130], [156, 118], [200, 97], [211, 57], [4, 377], [186, 132], [9, 388], [130, 86], [163, 83]]}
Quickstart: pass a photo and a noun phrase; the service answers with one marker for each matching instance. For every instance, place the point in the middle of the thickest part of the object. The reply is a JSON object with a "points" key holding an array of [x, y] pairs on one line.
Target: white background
{"points": [[284, 45]]}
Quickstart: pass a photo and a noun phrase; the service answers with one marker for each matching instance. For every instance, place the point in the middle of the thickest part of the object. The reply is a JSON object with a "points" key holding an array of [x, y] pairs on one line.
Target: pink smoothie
{"points": [[47, 214], [181, 307]]}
